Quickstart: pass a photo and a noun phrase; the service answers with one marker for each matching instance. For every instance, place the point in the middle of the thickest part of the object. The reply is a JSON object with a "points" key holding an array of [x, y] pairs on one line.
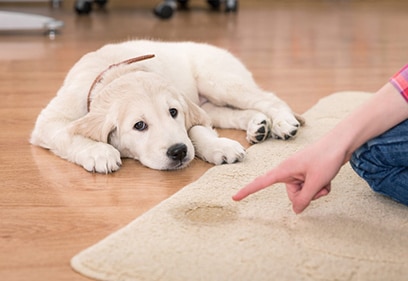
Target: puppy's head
{"points": [[145, 118]]}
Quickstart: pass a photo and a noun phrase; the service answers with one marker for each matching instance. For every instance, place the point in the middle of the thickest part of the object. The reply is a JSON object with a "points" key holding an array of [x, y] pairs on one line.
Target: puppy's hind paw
{"points": [[286, 126], [259, 129]]}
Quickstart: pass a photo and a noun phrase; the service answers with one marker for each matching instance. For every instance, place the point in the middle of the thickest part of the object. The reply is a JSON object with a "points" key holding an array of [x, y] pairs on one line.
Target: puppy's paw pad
{"points": [[259, 129], [100, 158], [285, 126]]}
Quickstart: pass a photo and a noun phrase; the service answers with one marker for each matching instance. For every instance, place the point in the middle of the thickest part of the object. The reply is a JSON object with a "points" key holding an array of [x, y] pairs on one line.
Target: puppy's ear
{"points": [[94, 126], [195, 115]]}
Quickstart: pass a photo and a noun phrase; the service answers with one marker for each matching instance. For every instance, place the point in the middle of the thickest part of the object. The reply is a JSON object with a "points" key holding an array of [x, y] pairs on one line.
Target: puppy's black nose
{"points": [[177, 152]]}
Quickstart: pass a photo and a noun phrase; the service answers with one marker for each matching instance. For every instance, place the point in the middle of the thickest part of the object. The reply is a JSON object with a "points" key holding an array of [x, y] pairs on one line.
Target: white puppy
{"points": [[119, 101]]}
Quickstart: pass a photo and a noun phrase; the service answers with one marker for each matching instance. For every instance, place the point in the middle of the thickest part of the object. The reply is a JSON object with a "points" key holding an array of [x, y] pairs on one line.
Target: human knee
{"points": [[382, 177], [368, 164]]}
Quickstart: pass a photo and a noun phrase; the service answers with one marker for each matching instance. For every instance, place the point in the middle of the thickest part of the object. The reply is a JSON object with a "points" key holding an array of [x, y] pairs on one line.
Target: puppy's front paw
{"points": [[285, 126], [99, 157], [259, 128], [224, 151]]}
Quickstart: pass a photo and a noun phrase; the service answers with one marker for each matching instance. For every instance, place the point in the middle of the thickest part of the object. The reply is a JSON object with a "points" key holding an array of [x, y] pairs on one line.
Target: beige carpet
{"points": [[201, 234]]}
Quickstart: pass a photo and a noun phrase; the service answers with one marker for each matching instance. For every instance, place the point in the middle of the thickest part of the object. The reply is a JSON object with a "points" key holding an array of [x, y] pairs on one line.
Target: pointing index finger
{"points": [[256, 185]]}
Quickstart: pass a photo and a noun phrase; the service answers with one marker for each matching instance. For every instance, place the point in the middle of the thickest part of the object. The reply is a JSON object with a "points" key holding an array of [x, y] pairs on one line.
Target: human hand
{"points": [[309, 172], [307, 176]]}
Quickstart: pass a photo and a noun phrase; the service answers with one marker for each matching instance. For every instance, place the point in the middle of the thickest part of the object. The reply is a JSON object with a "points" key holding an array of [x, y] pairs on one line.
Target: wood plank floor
{"points": [[302, 50]]}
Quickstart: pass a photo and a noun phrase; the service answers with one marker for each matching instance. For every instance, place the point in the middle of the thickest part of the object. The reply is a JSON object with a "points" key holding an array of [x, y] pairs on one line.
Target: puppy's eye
{"points": [[173, 112], [140, 126]]}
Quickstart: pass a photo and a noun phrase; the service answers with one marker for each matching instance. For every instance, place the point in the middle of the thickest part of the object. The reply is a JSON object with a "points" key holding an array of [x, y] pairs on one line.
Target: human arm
{"points": [[302, 172]]}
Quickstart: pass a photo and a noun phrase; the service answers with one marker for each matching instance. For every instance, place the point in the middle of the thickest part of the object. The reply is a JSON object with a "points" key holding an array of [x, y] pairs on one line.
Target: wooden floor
{"points": [[302, 50]]}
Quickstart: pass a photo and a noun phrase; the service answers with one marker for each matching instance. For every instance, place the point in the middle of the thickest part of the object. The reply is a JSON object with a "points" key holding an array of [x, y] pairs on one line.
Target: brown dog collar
{"points": [[99, 78]]}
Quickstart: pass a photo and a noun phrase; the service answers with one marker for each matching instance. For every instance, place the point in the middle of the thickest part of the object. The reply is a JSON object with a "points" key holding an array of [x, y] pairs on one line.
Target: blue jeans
{"points": [[383, 163]]}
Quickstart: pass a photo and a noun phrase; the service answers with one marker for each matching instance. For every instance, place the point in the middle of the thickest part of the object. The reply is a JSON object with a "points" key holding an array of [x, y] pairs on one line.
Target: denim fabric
{"points": [[383, 163]]}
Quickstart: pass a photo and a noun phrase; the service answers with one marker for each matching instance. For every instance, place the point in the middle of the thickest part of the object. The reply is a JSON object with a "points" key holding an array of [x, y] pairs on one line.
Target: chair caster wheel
{"points": [[84, 7], [164, 10], [231, 6], [214, 4]]}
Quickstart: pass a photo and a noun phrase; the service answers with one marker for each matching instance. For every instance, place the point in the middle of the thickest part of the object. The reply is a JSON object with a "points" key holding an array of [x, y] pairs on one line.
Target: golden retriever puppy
{"points": [[157, 102]]}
